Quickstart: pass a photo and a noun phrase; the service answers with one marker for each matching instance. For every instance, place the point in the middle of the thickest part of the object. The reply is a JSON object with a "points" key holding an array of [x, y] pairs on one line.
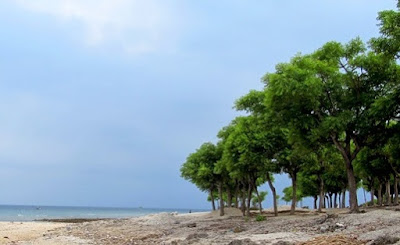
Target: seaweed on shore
{"points": [[72, 220]]}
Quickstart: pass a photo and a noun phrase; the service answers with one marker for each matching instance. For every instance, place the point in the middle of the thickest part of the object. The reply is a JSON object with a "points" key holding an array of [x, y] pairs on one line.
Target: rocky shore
{"points": [[375, 226]]}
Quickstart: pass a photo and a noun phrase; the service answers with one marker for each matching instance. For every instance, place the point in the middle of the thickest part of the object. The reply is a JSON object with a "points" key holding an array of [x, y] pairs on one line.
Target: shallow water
{"points": [[30, 213]]}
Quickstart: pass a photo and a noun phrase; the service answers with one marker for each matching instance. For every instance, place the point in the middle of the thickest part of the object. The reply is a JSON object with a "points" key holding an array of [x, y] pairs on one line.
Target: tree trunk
{"points": [[294, 194], [259, 199], [396, 190], [271, 186], [352, 188], [388, 196], [365, 197], [372, 196], [237, 192], [380, 194], [221, 200], [330, 199], [229, 196], [335, 201], [212, 199], [321, 193], [243, 202], [327, 205], [249, 192], [344, 198], [315, 202], [348, 157]]}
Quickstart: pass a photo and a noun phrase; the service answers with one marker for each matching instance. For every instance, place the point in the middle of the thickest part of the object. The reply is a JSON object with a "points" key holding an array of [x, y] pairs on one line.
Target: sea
{"points": [[34, 213]]}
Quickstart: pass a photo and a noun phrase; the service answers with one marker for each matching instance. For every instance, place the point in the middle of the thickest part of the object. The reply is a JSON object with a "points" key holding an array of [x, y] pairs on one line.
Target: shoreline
{"points": [[72, 220], [22, 213]]}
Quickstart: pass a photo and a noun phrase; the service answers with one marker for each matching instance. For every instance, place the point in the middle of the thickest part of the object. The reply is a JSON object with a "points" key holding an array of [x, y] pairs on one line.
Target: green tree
{"points": [[375, 164], [241, 154], [270, 136], [309, 185], [256, 200], [199, 169], [392, 152], [291, 160], [332, 93], [288, 194]]}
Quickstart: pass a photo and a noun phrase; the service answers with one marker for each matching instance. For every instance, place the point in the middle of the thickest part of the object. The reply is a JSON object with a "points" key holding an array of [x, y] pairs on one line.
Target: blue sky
{"points": [[101, 101]]}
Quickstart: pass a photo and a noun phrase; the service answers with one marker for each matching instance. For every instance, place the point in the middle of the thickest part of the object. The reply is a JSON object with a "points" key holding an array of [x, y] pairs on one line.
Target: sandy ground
{"points": [[13, 232], [375, 226]]}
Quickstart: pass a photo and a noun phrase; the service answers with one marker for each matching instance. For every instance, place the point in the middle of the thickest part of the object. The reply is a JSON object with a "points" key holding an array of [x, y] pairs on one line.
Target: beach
{"points": [[306, 227], [16, 232]]}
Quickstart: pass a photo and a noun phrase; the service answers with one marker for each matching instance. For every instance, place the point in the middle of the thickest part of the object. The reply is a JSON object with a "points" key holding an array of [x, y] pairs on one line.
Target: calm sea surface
{"points": [[30, 213]]}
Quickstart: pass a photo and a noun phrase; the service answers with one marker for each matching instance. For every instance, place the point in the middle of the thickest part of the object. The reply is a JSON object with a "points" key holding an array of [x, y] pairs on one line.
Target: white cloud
{"points": [[137, 26]]}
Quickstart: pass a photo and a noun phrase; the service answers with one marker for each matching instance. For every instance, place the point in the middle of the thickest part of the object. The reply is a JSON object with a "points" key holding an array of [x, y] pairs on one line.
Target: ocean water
{"points": [[31, 213]]}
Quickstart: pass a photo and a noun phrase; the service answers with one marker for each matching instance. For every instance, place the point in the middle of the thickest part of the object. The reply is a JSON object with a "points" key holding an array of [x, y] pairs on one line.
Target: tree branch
{"points": [[358, 148], [343, 66], [339, 147]]}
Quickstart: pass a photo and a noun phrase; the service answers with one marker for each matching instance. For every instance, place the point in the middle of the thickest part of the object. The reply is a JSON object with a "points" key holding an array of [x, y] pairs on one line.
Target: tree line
{"points": [[329, 119]]}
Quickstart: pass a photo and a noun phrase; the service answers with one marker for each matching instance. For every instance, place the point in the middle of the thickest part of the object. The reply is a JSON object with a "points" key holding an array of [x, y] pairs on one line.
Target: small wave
{"points": [[20, 215]]}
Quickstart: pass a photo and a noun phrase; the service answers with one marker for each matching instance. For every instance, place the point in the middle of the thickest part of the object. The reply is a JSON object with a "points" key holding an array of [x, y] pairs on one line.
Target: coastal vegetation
{"points": [[329, 119]]}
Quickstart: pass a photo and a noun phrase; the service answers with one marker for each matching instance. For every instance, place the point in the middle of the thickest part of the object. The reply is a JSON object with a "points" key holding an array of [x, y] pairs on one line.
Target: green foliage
{"points": [[199, 167], [255, 200], [260, 217], [288, 193]]}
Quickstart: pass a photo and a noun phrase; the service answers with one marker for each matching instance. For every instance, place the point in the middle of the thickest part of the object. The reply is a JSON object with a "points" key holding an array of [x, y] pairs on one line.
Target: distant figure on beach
{"points": [[190, 211]]}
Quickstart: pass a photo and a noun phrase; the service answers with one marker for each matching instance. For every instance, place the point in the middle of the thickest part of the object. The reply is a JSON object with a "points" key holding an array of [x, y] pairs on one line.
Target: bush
{"points": [[260, 218]]}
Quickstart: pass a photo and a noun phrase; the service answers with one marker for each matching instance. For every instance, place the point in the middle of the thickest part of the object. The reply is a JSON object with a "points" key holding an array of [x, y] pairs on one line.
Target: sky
{"points": [[101, 101]]}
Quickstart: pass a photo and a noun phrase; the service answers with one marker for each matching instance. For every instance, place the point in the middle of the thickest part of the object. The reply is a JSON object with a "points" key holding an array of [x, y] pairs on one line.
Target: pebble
{"points": [[191, 225]]}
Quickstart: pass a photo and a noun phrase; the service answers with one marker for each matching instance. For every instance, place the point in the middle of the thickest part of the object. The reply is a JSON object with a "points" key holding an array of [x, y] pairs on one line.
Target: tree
{"points": [[256, 200], [288, 194], [332, 93], [291, 159], [374, 165], [271, 137], [335, 179], [199, 169], [309, 185], [243, 155], [392, 151]]}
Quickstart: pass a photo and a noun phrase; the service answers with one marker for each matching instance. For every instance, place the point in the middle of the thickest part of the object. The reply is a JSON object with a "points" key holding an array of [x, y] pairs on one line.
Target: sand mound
{"points": [[229, 212], [286, 208], [159, 219]]}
